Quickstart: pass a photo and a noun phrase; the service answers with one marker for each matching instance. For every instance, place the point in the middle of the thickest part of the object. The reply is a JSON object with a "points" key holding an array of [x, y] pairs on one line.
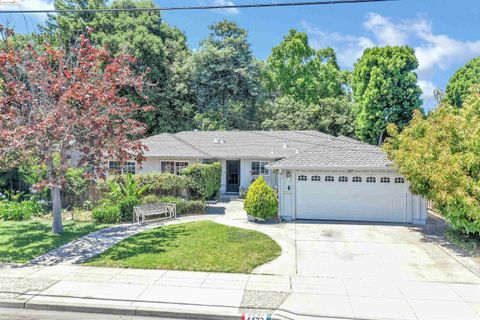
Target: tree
{"points": [[440, 157], [54, 104], [330, 115], [385, 90], [461, 82], [225, 77], [161, 52], [296, 69]]}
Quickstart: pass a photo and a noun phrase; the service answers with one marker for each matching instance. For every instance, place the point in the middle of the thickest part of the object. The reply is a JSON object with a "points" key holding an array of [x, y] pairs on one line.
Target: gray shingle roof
{"points": [[295, 148], [340, 152]]}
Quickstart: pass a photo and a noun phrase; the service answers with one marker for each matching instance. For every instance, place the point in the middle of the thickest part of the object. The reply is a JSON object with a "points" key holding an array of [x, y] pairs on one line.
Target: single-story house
{"points": [[318, 176]]}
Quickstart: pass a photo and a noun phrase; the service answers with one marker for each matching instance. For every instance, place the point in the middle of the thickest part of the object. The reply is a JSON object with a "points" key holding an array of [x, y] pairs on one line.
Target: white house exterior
{"points": [[343, 179], [317, 176]]}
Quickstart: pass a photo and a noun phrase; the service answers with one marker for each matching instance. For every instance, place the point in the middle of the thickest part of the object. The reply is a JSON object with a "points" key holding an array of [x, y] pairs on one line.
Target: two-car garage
{"points": [[347, 196]]}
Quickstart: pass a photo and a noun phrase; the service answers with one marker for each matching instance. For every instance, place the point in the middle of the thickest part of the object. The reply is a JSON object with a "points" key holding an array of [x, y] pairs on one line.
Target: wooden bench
{"points": [[162, 210]]}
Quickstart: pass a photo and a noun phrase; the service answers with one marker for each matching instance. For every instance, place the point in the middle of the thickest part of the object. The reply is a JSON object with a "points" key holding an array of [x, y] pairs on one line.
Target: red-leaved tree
{"points": [[57, 103]]}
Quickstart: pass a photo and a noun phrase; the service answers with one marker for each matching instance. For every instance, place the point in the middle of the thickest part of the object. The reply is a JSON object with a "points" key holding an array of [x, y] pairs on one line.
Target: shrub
{"points": [[194, 207], [126, 207], [107, 213], [23, 210], [149, 199], [204, 179], [162, 183], [261, 201], [186, 206]]}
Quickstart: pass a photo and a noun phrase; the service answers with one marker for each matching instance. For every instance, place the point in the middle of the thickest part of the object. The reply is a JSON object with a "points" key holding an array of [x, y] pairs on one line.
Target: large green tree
{"points": [[225, 77], [160, 51], [440, 157], [294, 68], [385, 90], [461, 82], [330, 115]]}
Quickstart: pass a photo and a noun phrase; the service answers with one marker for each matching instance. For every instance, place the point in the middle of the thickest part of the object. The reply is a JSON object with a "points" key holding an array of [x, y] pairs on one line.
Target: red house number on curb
{"points": [[248, 316]]}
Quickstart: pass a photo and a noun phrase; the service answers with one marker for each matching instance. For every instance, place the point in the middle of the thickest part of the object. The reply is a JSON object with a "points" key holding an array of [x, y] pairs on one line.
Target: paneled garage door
{"points": [[360, 197]]}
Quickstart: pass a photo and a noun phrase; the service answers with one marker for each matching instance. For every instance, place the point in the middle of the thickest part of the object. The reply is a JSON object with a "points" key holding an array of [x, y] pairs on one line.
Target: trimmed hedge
{"points": [[261, 201], [204, 180]]}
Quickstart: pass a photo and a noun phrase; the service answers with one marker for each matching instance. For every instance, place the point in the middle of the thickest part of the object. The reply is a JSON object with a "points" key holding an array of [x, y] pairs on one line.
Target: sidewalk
{"points": [[202, 295]]}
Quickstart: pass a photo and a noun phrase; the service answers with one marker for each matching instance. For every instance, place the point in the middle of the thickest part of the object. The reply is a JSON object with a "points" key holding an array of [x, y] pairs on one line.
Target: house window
{"points": [[384, 180], [342, 179], [329, 179], [179, 166], [173, 167], [371, 179], [357, 179], [258, 168], [302, 178], [316, 178], [399, 180], [167, 166], [114, 167], [130, 167]]}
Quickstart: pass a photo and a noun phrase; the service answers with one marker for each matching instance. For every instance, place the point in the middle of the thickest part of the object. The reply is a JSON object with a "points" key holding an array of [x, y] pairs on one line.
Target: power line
{"points": [[239, 6]]}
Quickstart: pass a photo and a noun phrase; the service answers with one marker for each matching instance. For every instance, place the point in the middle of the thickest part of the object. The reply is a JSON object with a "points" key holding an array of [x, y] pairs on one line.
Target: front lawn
{"points": [[21, 241], [195, 246]]}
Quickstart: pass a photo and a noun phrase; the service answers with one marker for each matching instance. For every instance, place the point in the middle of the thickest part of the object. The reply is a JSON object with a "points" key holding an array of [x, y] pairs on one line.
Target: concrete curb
{"points": [[120, 310]]}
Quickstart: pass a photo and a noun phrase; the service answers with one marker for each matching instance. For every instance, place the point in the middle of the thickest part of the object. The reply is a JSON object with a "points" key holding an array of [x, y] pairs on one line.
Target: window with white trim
{"points": [[384, 180], [173, 167], [130, 167], [316, 178], [371, 179], [357, 179], [180, 165], [342, 179], [302, 178], [114, 167], [258, 168], [399, 180], [329, 179]]}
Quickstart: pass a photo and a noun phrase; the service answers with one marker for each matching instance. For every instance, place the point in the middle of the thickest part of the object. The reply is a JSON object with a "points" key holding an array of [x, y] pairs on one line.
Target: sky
{"points": [[444, 33]]}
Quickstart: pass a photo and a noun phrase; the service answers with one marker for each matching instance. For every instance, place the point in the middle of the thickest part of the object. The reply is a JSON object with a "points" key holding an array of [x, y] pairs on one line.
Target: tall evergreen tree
{"points": [[225, 77], [296, 69], [385, 90], [460, 84]]}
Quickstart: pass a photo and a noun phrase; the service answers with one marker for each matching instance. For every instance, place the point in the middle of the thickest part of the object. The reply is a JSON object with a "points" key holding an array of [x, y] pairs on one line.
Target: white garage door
{"points": [[360, 197]]}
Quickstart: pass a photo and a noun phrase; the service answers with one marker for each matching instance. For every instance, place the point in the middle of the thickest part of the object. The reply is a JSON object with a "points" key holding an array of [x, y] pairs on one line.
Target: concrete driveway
{"points": [[392, 253], [360, 250]]}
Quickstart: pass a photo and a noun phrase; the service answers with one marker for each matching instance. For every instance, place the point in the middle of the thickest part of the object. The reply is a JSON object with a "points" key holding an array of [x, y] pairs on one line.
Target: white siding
{"points": [[153, 164]]}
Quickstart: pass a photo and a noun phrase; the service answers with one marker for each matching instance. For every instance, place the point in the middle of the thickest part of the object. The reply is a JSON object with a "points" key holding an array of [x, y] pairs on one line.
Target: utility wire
{"points": [[234, 6]]}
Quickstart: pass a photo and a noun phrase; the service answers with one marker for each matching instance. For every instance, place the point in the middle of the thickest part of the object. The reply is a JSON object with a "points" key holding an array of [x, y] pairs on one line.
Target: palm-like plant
{"points": [[127, 187]]}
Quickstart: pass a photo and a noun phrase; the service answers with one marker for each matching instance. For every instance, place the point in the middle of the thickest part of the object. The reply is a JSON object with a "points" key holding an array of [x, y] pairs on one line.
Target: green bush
{"points": [[107, 213], [126, 207], [23, 210], [261, 201], [185, 206], [149, 199], [204, 179], [162, 183]]}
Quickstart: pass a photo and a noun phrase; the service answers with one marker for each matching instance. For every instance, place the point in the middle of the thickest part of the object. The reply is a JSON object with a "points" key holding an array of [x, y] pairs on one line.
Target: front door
{"points": [[233, 175]]}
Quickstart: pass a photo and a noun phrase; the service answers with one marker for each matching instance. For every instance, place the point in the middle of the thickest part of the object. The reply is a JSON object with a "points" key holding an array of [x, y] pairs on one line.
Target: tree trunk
{"points": [[57, 226]]}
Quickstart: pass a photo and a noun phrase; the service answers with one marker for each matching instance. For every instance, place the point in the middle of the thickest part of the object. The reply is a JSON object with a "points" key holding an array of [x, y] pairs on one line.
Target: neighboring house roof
{"points": [[340, 152], [297, 149]]}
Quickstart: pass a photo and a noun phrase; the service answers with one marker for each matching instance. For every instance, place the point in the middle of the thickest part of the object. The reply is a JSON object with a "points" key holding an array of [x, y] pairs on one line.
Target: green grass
{"points": [[195, 246], [21, 241]]}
